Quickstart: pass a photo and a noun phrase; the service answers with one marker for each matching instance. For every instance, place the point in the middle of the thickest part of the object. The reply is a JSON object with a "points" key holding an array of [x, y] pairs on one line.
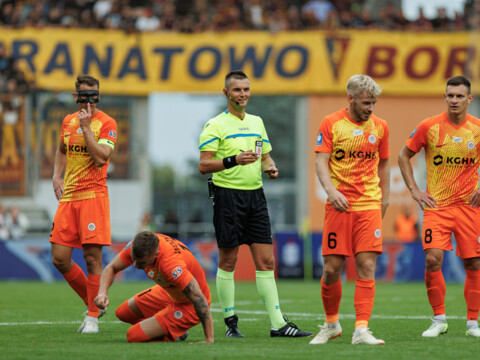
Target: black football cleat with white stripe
{"points": [[289, 330], [232, 328]]}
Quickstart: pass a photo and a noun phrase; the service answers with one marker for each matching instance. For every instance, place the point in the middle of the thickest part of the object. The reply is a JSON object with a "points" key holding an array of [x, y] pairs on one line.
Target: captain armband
{"points": [[230, 161], [107, 142]]}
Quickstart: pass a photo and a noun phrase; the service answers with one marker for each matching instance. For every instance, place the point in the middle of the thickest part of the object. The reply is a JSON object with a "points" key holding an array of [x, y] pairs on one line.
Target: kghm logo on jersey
{"points": [[453, 161], [320, 139], [341, 154], [77, 149]]}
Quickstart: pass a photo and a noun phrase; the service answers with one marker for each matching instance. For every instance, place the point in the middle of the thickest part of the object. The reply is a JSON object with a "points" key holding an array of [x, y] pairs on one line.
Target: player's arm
{"points": [[384, 175], [193, 292], [208, 164], [106, 280], [337, 199], [269, 167], [59, 169], [100, 153], [474, 200], [407, 172]]}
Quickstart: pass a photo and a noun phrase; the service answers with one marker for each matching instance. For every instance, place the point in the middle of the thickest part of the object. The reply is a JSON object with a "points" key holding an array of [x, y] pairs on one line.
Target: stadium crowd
{"points": [[195, 16]]}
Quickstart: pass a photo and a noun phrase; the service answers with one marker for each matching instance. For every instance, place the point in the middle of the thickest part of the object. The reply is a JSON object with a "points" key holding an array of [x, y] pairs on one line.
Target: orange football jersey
{"points": [[355, 150], [83, 180], [452, 157], [174, 269]]}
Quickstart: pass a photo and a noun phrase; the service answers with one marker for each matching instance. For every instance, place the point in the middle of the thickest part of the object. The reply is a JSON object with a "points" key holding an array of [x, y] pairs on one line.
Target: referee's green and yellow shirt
{"points": [[228, 135]]}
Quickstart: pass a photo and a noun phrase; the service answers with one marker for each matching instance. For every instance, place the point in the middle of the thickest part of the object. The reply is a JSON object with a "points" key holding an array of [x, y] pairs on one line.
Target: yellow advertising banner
{"points": [[12, 146], [309, 62]]}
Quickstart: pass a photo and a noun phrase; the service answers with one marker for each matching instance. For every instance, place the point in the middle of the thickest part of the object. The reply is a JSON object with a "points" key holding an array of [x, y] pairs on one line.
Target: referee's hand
{"points": [[272, 172], [246, 157]]}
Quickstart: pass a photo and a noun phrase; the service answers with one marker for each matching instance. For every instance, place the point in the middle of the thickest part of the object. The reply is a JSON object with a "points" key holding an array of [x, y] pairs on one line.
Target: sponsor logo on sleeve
{"points": [[112, 134], [91, 226], [177, 272], [320, 139]]}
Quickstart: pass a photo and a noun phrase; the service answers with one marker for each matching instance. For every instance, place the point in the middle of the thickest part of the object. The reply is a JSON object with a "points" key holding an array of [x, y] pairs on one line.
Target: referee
{"points": [[234, 146]]}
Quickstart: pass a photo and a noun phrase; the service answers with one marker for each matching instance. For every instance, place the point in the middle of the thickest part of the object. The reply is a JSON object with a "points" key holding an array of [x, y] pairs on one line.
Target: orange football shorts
{"points": [[348, 233], [82, 222], [175, 318], [462, 221]]}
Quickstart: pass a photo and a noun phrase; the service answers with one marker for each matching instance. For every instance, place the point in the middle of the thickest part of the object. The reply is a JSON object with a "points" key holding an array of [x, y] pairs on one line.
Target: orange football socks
{"points": [[93, 284], [472, 294], [363, 301], [126, 315], [135, 334], [78, 281], [331, 296], [436, 290]]}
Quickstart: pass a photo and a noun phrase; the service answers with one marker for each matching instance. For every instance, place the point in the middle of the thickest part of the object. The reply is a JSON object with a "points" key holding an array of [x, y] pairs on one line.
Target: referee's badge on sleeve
{"points": [[320, 139]]}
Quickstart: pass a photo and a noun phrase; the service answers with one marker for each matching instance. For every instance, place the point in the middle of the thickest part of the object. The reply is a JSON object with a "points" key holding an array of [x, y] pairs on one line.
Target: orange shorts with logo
{"points": [[348, 233], [462, 221], [82, 222], [175, 318]]}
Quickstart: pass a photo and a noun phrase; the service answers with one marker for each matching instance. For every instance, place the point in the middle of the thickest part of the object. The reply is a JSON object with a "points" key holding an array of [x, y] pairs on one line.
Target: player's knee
{"points": [[366, 269], [135, 334], [61, 264], [432, 263], [331, 274]]}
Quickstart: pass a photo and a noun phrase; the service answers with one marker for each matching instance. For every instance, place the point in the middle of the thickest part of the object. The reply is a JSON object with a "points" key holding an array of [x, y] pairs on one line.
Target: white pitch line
{"points": [[247, 312]]}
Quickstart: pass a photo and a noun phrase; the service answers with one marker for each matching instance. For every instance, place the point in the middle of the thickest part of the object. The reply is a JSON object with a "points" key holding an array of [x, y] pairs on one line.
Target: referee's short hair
{"points": [[235, 74]]}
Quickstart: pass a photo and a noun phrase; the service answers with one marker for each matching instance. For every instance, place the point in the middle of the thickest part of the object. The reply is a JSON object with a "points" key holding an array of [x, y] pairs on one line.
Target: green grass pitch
{"points": [[39, 321]]}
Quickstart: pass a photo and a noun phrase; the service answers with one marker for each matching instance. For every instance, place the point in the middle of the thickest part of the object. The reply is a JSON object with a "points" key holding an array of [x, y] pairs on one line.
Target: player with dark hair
{"points": [[451, 202], [82, 219], [179, 301], [235, 148]]}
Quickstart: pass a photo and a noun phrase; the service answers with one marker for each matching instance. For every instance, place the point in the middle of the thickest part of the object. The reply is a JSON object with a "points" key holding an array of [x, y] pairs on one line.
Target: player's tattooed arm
{"points": [[193, 292]]}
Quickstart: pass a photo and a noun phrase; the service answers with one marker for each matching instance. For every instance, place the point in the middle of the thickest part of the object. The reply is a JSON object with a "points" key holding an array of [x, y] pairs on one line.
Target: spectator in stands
{"points": [[147, 223], [458, 23], [406, 229], [148, 21], [441, 22], [294, 19], [321, 9], [422, 23], [3, 223], [17, 223]]}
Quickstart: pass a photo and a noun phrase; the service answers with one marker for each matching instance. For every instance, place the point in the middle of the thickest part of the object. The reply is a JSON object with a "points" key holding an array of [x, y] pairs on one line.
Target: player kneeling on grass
{"points": [[180, 300]]}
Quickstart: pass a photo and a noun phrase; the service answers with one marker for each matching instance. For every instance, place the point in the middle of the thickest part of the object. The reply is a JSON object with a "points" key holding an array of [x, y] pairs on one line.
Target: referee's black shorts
{"points": [[241, 217]]}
